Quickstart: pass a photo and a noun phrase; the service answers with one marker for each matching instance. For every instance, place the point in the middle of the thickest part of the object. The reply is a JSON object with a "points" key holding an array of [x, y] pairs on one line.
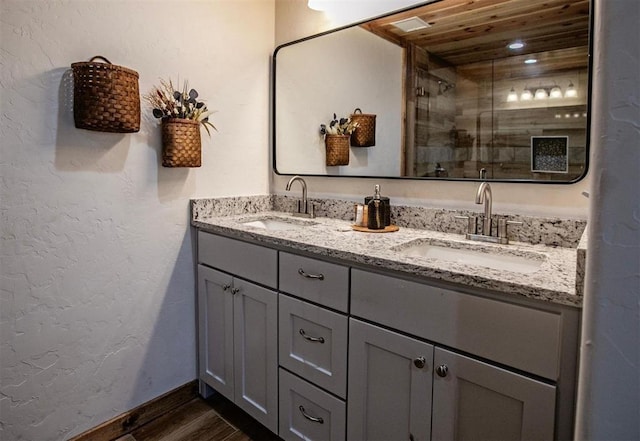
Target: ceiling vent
{"points": [[411, 24]]}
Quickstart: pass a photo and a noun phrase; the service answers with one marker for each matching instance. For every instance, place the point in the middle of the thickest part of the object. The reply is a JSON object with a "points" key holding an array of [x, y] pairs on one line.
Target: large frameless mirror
{"points": [[450, 89]]}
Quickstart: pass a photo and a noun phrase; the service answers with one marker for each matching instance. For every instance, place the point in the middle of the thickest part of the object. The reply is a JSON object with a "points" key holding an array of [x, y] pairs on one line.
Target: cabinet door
{"points": [[477, 401], [256, 352], [390, 385], [215, 330]]}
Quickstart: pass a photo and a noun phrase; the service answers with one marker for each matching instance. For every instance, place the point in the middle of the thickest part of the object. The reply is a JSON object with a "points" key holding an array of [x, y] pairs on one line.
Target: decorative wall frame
{"points": [[550, 154]]}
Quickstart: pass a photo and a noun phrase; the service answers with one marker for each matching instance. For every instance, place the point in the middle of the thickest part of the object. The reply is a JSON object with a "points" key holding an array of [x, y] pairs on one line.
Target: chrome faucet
{"points": [[303, 206], [483, 196]]}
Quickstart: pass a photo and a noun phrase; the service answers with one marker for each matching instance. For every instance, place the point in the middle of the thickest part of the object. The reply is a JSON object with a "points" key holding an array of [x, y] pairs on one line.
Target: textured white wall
{"points": [[97, 312], [609, 386], [294, 20]]}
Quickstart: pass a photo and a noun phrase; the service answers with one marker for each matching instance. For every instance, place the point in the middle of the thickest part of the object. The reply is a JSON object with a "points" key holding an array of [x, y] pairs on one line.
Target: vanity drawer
{"points": [[313, 343], [308, 413], [524, 338], [246, 260], [315, 280]]}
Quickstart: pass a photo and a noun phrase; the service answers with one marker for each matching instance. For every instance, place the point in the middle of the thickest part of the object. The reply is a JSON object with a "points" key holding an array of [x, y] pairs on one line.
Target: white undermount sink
{"points": [[277, 223], [488, 257]]}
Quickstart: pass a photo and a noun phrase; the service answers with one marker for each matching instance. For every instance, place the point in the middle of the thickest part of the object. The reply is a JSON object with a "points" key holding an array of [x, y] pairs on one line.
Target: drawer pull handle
{"points": [[310, 276], [309, 417], [309, 338], [235, 291], [226, 287]]}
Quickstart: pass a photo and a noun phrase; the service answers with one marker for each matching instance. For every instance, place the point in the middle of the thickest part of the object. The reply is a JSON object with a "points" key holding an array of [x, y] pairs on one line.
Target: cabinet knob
{"points": [[235, 290], [420, 362], [442, 370], [310, 276], [226, 287], [309, 417]]}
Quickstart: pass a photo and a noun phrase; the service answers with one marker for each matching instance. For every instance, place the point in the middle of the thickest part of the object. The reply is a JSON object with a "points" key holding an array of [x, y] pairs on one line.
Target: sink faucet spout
{"points": [[303, 207], [483, 196]]}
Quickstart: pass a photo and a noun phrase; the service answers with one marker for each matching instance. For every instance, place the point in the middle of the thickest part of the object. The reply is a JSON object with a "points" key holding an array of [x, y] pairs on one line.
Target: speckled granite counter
{"points": [[554, 281]]}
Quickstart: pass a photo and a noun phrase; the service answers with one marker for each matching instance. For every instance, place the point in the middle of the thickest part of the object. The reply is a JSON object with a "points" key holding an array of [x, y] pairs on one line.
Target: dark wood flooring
{"points": [[214, 419]]}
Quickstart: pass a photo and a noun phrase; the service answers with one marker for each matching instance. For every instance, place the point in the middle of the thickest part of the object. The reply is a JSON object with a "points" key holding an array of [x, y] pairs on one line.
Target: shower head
{"points": [[444, 87]]}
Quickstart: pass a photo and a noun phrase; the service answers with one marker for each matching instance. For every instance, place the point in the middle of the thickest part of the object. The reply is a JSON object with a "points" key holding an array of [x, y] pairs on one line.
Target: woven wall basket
{"points": [[181, 143], [365, 134], [106, 97], [337, 149]]}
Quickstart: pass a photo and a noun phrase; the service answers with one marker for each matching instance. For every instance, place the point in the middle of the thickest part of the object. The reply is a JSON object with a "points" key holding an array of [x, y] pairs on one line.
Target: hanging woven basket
{"points": [[181, 145], [106, 97], [365, 134], [337, 147]]}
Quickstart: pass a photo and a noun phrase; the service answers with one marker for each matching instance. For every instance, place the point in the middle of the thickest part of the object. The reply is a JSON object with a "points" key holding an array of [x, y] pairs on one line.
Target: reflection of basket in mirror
{"points": [[181, 143], [365, 133], [337, 149]]}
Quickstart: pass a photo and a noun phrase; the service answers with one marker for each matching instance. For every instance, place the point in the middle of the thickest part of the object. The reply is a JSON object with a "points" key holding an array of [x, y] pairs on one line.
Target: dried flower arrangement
{"points": [[342, 126], [167, 102]]}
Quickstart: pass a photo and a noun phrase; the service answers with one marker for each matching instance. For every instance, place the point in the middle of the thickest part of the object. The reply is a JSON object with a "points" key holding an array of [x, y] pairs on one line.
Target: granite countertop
{"points": [[554, 281]]}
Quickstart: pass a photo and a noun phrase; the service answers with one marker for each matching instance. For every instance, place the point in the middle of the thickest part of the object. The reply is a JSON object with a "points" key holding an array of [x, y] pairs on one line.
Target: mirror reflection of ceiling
{"points": [[465, 32], [470, 114]]}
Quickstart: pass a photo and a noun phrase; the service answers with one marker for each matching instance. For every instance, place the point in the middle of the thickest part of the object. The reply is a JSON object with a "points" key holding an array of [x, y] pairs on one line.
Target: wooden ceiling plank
{"points": [[483, 28], [539, 24]]}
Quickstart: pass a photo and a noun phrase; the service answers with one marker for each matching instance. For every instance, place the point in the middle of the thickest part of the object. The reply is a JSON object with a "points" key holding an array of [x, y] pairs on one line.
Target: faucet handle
{"points": [[305, 209], [502, 226], [472, 223]]}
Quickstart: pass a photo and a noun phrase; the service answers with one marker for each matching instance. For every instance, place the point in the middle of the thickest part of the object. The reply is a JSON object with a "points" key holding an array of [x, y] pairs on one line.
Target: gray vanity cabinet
{"points": [[390, 384], [316, 350], [312, 348], [237, 332], [475, 400], [516, 383]]}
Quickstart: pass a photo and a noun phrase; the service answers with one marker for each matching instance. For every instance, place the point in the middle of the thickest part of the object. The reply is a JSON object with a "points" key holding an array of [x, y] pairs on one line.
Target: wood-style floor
{"points": [[215, 419]]}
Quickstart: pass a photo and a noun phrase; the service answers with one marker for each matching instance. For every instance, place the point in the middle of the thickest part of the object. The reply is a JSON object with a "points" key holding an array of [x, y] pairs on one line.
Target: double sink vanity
{"points": [[322, 332], [461, 325]]}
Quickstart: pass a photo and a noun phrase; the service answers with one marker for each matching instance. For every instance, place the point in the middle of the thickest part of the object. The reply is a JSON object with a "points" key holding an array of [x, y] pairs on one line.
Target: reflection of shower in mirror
{"points": [[444, 87]]}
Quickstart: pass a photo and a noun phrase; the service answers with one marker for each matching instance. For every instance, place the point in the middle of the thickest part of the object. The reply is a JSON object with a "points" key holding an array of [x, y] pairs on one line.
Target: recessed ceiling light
{"points": [[516, 45], [530, 61], [411, 24]]}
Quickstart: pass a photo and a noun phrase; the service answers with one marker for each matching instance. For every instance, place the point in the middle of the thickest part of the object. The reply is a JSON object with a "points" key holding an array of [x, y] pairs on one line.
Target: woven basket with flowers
{"points": [[337, 140], [181, 115]]}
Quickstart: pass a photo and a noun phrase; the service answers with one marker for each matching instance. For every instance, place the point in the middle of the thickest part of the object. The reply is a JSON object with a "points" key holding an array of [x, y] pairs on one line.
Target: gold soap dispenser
{"points": [[377, 211]]}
